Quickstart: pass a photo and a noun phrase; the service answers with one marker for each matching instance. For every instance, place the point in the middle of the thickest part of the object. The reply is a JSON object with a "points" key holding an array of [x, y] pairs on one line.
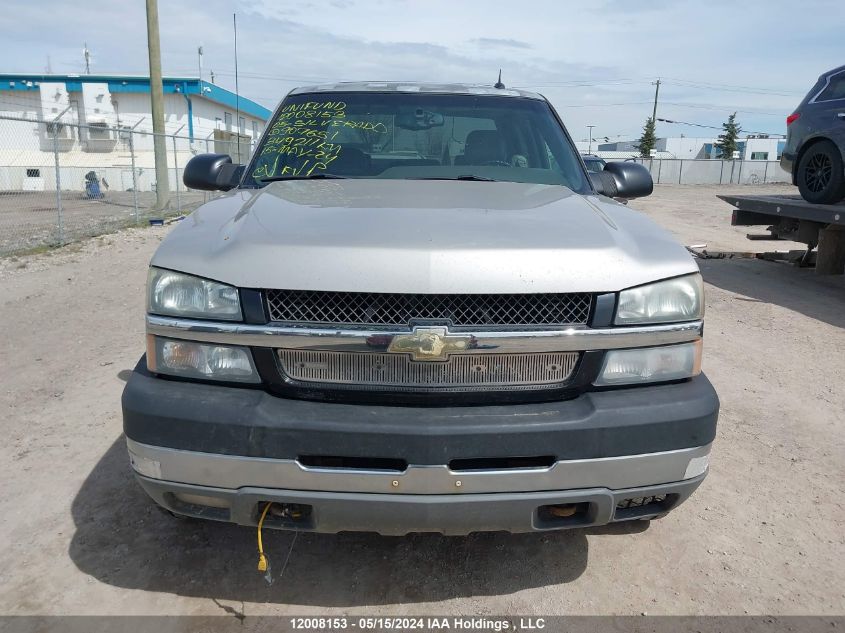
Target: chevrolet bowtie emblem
{"points": [[429, 343]]}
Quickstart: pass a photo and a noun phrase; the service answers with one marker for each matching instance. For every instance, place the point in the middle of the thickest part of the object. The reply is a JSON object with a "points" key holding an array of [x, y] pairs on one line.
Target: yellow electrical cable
{"points": [[262, 559]]}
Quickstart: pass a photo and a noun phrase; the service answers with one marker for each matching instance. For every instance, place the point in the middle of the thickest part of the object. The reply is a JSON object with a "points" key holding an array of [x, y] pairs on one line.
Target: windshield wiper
{"points": [[461, 177], [301, 177]]}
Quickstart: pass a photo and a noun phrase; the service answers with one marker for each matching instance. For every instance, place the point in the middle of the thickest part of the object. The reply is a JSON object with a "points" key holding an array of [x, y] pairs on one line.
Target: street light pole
{"points": [[590, 145]]}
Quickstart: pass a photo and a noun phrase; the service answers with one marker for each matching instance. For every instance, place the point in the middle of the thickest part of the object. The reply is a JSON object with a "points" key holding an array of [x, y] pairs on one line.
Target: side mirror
{"points": [[623, 180], [212, 172]]}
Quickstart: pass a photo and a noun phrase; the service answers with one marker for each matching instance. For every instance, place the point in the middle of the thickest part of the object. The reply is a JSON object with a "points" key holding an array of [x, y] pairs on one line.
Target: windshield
{"points": [[388, 135]]}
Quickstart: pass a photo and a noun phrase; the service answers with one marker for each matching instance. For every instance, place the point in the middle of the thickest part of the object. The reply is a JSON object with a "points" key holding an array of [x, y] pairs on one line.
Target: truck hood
{"points": [[414, 236]]}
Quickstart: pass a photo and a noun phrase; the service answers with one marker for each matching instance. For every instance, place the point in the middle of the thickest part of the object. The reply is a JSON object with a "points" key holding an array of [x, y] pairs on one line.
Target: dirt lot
{"points": [[29, 219], [764, 534]]}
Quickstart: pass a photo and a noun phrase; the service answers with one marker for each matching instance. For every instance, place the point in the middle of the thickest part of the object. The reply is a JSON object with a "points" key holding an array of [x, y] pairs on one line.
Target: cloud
{"points": [[500, 42], [594, 61]]}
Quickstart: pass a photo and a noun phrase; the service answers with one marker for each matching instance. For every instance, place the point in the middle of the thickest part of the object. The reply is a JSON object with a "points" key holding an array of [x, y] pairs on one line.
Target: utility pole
{"points": [[87, 55], [157, 107], [237, 89], [199, 58], [656, 85], [590, 145]]}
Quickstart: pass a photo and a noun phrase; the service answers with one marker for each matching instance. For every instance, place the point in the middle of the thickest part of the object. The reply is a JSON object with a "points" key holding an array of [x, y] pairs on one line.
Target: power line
{"points": [[720, 109], [690, 83], [251, 75], [600, 105], [582, 83], [732, 88], [713, 127]]}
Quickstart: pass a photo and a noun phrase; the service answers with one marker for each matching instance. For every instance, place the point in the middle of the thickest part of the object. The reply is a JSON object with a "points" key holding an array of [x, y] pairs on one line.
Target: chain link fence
{"points": [[62, 181], [681, 171]]}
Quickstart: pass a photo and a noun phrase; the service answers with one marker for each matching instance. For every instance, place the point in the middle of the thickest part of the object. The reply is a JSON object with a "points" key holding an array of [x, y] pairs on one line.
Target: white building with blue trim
{"points": [[91, 116], [194, 107]]}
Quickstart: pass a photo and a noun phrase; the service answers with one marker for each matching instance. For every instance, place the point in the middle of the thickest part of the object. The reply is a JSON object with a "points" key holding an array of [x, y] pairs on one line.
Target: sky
{"points": [[596, 61]]}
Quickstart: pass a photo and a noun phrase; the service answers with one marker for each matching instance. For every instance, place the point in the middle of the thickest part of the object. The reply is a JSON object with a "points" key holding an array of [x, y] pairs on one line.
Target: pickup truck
{"points": [[415, 311]]}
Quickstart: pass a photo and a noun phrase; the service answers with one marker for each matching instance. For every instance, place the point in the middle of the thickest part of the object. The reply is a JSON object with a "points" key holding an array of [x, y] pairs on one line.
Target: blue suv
{"points": [[815, 141]]}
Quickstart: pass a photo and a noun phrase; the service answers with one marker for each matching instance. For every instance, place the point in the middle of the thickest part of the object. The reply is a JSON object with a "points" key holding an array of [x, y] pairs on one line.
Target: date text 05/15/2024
{"points": [[428, 623]]}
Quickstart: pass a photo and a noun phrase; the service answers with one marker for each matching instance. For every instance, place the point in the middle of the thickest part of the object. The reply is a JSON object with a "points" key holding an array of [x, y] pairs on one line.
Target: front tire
{"points": [[821, 174]]}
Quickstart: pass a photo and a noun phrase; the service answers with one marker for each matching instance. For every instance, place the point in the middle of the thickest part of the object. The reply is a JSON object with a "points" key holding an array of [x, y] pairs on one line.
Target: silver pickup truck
{"points": [[415, 311]]}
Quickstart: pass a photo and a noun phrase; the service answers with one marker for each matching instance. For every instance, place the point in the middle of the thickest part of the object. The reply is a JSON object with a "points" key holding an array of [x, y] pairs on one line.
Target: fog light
{"points": [[200, 360], [651, 364]]}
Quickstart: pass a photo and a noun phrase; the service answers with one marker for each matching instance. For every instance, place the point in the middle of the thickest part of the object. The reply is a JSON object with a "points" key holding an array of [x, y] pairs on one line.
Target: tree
{"points": [[647, 140], [727, 142]]}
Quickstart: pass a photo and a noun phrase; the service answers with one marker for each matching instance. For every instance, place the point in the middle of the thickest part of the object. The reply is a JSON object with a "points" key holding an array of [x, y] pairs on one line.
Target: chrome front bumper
{"points": [[232, 472], [420, 498]]}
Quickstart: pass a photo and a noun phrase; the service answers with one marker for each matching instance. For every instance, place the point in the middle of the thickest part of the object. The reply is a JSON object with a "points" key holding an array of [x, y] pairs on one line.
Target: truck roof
{"points": [[416, 87]]}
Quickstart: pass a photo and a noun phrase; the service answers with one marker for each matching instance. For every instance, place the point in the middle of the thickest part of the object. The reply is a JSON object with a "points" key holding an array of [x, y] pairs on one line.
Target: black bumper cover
{"points": [[241, 421]]}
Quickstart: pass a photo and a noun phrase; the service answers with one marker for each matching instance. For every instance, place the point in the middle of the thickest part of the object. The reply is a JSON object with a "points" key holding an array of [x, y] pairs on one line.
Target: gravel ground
{"points": [[764, 534], [29, 220]]}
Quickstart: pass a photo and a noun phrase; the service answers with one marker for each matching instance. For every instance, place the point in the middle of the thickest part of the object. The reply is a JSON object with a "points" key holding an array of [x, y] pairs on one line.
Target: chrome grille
{"points": [[458, 372], [388, 309]]}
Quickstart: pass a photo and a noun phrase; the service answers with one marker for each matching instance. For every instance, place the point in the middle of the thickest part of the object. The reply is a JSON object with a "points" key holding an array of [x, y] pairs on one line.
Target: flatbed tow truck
{"points": [[789, 217]]}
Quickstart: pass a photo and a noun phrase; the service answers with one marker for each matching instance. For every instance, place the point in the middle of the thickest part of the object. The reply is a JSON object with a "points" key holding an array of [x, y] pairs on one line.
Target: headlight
{"points": [[200, 360], [679, 299], [177, 294], [650, 364]]}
